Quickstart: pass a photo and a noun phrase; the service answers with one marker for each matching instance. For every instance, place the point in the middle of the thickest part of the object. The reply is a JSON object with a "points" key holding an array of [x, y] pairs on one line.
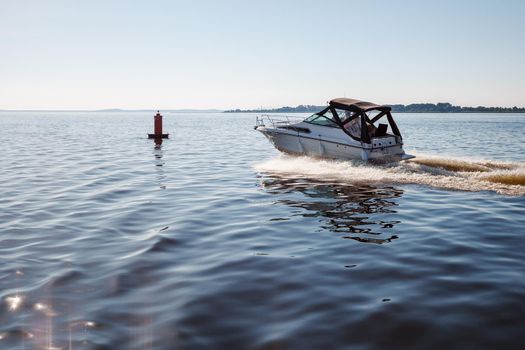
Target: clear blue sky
{"points": [[226, 54]]}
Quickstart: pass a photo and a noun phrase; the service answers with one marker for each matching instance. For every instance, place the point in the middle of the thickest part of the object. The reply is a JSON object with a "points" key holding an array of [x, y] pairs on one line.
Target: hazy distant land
{"points": [[110, 110], [399, 108], [411, 108]]}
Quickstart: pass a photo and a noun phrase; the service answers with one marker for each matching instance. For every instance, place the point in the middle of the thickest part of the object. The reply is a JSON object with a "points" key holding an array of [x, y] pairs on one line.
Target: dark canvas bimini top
{"points": [[359, 109], [349, 104]]}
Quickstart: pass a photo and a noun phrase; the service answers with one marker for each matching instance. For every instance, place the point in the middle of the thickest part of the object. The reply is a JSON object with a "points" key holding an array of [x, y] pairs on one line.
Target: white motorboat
{"points": [[345, 129]]}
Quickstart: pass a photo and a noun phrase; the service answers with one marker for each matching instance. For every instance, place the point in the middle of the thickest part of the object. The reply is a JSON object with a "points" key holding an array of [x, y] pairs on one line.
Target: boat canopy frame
{"points": [[359, 109]]}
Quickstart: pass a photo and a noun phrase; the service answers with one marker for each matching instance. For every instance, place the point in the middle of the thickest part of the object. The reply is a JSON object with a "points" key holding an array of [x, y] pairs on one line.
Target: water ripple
{"points": [[212, 240]]}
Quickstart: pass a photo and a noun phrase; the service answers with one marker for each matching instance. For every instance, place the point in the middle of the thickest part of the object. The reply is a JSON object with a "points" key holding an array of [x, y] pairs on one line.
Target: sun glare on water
{"points": [[14, 302]]}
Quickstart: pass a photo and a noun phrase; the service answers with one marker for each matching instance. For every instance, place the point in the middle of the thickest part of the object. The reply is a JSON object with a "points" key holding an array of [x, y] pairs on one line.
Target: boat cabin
{"points": [[356, 118]]}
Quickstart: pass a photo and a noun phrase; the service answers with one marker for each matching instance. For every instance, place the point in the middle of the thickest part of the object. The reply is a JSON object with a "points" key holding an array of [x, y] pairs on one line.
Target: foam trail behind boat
{"points": [[506, 178]]}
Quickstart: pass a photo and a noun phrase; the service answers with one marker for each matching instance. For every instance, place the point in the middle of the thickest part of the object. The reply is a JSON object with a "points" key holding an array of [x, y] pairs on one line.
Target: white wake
{"points": [[506, 178]]}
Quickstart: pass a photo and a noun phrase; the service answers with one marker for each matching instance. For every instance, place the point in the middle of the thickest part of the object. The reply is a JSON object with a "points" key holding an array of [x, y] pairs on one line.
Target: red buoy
{"points": [[157, 121]]}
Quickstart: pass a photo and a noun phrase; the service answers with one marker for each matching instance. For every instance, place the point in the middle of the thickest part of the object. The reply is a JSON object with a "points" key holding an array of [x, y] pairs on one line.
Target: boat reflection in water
{"points": [[360, 212]]}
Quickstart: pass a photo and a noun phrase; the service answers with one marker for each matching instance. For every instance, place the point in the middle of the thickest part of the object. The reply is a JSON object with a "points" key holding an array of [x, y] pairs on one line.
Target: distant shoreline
{"points": [[111, 110], [397, 108]]}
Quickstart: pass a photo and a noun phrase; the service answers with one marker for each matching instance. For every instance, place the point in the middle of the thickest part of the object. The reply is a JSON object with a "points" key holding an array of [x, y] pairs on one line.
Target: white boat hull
{"points": [[334, 144]]}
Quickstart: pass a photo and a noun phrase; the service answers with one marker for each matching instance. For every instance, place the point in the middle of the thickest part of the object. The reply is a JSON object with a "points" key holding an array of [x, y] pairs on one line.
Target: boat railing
{"points": [[275, 120]]}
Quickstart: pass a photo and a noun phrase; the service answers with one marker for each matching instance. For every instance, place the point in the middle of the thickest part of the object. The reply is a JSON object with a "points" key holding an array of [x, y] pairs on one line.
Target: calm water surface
{"points": [[214, 241]]}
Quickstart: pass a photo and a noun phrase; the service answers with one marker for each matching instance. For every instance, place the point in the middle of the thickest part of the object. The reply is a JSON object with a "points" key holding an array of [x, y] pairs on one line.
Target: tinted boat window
{"points": [[345, 116], [321, 120], [312, 117]]}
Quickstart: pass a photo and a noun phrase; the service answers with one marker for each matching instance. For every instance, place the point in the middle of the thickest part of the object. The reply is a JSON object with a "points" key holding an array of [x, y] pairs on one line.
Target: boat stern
{"points": [[388, 149]]}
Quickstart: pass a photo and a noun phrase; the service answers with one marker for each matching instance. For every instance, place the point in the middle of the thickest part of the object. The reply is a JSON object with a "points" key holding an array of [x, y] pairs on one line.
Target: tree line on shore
{"points": [[399, 108]]}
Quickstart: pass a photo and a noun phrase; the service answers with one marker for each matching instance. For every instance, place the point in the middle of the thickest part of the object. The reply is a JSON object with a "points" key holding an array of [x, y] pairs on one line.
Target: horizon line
{"points": [[118, 110], [196, 110]]}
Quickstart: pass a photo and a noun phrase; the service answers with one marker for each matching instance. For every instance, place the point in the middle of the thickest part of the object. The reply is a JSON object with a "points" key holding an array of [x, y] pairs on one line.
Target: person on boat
{"points": [[371, 128]]}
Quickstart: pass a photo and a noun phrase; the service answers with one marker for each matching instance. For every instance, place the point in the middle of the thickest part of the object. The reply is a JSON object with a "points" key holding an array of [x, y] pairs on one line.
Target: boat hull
{"points": [[309, 145]]}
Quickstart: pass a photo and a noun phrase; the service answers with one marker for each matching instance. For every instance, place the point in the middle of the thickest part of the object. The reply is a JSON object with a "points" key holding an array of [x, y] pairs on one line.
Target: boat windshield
{"points": [[346, 116], [324, 120]]}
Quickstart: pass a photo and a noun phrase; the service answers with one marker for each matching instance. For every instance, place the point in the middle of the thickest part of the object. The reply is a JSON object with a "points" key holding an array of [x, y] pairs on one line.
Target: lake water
{"points": [[213, 240]]}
